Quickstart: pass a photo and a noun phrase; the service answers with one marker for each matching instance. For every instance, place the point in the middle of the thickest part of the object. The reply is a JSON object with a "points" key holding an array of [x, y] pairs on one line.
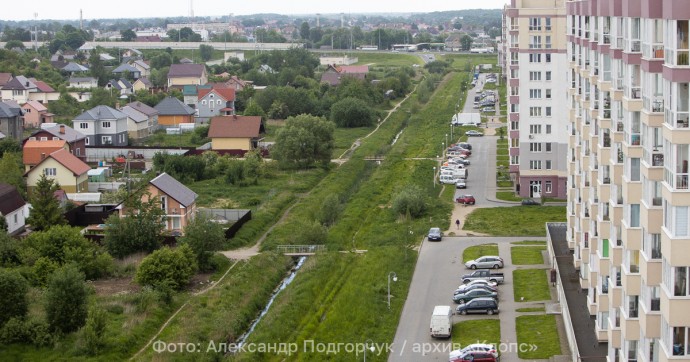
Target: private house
{"points": [[11, 122], [150, 113], [176, 200], [18, 89], [80, 96], [12, 208], [190, 95], [102, 126], [43, 92], [236, 83], [132, 53], [138, 125], [37, 149], [186, 61], [122, 85], [76, 141], [142, 84], [334, 74], [125, 68], [35, 114], [143, 68], [106, 57], [187, 74], [172, 112], [4, 79], [83, 82], [235, 132], [265, 68], [73, 68], [69, 171], [215, 102]]}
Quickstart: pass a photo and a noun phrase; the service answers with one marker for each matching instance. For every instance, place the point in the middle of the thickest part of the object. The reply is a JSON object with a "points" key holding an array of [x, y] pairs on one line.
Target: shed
{"points": [[97, 175]]}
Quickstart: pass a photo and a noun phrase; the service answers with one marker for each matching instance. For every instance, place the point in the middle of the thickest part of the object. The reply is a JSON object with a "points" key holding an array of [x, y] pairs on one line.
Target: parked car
{"points": [[471, 356], [473, 133], [529, 202], [478, 305], [460, 184], [478, 282], [435, 234], [465, 145], [485, 262], [478, 347], [475, 287], [474, 293], [488, 109], [465, 162], [466, 200], [483, 275]]}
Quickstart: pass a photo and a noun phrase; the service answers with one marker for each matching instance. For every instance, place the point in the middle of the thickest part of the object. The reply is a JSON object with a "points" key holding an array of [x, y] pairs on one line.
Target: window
{"points": [[635, 215], [548, 58], [203, 102], [535, 76], [548, 166], [78, 151], [28, 110], [548, 146], [548, 75], [106, 124], [535, 165], [107, 140], [50, 171], [16, 218], [534, 57], [514, 125], [164, 203], [535, 111], [535, 93], [548, 187], [680, 341], [548, 111], [535, 147], [547, 42], [547, 24], [86, 141], [44, 138], [534, 24], [548, 93], [534, 128], [548, 129], [535, 42], [218, 101]]}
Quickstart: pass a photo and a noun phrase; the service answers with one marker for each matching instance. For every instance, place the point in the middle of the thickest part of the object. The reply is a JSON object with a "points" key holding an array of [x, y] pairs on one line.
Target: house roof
{"points": [[174, 189], [142, 64], [19, 83], [144, 81], [65, 158], [143, 108], [59, 64], [74, 67], [106, 57], [135, 115], [43, 86], [82, 79], [186, 61], [125, 68], [38, 106], [100, 113], [172, 106], [70, 134], [35, 151], [9, 109], [10, 199], [235, 127], [4, 78], [226, 93], [186, 70], [349, 69]]}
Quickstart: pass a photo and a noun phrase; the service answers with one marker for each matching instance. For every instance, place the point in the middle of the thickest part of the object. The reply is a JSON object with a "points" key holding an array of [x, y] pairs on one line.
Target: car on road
{"points": [[479, 347], [473, 133], [488, 109], [465, 145], [472, 294], [530, 202], [478, 305], [475, 287], [471, 356], [464, 162], [478, 282], [460, 184], [465, 199], [435, 234], [483, 275], [485, 262]]}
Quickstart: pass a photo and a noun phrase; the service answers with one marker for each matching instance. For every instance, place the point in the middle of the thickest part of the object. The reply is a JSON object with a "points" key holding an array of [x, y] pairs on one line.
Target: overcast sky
{"points": [[95, 9]]}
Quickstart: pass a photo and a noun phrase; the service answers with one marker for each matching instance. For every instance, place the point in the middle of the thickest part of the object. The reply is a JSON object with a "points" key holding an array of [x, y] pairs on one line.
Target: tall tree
{"points": [[140, 230], [466, 42], [128, 35], [304, 31], [205, 52], [66, 300], [204, 237], [304, 140], [45, 208], [11, 171], [13, 288]]}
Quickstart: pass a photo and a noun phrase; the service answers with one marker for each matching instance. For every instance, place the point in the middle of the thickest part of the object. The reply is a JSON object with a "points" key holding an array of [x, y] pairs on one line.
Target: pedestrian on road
{"points": [[457, 223]]}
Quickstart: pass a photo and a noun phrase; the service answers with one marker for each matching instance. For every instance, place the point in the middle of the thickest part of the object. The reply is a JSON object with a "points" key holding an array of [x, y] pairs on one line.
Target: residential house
{"points": [[150, 112], [83, 82], [215, 102], [4, 79], [73, 68], [237, 84], [69, 171], [265, 68], [149, 39], [106, 57], [18, 89], [190, 94], [124, 69], [187, 74], [143, 67], [132, 53], [334, 74], [122, 85], [138, 125], [43, 92], [12, 208], [102, 125], [235, 132], [37, 149], [80, 96], [186, 61], [142, 84], [35, 114], [176, 200], [172, 112], [76, 141], [11, 122]]}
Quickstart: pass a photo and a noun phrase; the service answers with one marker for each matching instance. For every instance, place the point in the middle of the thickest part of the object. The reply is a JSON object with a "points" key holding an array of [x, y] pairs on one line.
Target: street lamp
{"points": [[395, 279], [434, 177], [366, 347], [447, 140]]}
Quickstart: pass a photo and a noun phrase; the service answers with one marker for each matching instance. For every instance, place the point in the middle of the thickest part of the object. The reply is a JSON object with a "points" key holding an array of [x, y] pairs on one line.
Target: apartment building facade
{"points": [[534, 57], [628, 195]]}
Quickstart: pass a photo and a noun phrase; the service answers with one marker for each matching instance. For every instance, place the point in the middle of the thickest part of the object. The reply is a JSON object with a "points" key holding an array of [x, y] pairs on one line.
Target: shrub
{"points": [[410, 202], [352, 112], [174, 267], [330, 209], [20, 330], [13, 288], [94, 331], [311, 233], [66, 300], [204, 237]]}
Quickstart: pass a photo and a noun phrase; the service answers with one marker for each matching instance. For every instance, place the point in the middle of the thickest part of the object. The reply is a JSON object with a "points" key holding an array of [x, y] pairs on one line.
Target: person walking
{"points": [[457, 223]]}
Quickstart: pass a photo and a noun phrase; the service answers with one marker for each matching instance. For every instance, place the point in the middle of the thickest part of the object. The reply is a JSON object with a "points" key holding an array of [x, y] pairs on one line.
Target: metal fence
{"points": [[300, 249]]}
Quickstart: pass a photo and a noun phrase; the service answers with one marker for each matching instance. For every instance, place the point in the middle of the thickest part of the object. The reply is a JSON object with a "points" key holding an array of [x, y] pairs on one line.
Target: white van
{"points": [[441, 323], [447, 179]]}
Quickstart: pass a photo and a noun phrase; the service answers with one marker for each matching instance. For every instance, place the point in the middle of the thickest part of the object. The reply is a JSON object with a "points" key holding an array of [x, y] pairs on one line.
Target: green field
{"points": [[474, 252], [527, 255], [530, 285], [388, 59], [514, 221], [477, 331], [541, 331]]}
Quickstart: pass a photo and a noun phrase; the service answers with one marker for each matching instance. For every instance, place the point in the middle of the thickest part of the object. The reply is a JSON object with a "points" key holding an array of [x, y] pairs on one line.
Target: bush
{"points": [[20, 330], [13, 288], [410, 202], [204, 237], [41, 271], [352, 112], [311, 233], [66, 300], [94, 332], [330, 209], [166, 266]]}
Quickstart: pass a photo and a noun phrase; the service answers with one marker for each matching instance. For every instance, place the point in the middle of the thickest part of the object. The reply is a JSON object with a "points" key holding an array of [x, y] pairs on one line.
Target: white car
{"points": [[477, 282], [476, 347]]}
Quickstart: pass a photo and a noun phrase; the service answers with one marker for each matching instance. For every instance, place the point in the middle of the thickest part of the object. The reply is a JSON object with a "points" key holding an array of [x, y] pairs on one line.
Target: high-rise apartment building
{"points": [[628, 196], [533, 51]]}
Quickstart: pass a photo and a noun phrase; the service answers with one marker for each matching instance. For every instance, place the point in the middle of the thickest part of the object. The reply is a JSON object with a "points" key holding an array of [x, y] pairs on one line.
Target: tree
{"points": [[167, 267], [140, 230], [205, 52], [254, 109], [304, 31], [14, 44], [204, 237], [97, 69], [45, 208], [66, 300], [466, 42], [352, 112], [94, 330], [457, 25], [11, 171], [303, 141], [410, 203], [128, 35], [13, 288]]}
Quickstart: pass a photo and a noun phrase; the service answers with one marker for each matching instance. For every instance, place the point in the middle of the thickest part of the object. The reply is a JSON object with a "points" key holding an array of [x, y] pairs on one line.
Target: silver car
{"points": [[485, 262]]}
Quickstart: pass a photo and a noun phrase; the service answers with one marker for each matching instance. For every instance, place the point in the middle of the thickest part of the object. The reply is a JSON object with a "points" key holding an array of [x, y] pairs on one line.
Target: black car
{"points": [[472, 294], [528, 202], [435, 234], [465, 145], [478, 305]]}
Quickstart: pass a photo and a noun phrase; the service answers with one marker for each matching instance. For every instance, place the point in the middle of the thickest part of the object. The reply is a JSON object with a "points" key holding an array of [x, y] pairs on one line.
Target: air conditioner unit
{"points": [[531, 136]]}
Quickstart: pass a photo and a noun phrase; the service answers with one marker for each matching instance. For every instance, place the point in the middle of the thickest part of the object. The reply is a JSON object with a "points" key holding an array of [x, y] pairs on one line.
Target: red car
{"points": [[465, 199]]}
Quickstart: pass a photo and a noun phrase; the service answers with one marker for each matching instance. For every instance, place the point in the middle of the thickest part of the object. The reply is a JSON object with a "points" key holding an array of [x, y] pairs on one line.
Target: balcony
{"points": [[675, 309]]}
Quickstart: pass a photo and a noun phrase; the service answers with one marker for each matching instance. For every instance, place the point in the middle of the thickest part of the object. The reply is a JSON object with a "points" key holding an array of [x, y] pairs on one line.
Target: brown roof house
{"points": [[35, 114], [334, 74], [76, 141], [235, 132], [172, 112], [180, 75], [69, 171], [12, 208], [36, 150]]}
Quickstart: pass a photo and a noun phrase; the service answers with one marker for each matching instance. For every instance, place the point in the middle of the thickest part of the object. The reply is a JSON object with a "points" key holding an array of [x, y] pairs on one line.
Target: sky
{"points": [[97, 9]]}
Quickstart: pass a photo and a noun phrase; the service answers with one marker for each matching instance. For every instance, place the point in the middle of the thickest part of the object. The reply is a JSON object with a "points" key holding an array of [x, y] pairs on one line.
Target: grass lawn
{"points": [[529, 242], [388, 60], [530, 284], [541, 331], [533, 309], [477, 331], [473, 252], [507, 196], [161, 139], [344, 137], [527, 255], [514, 221]]}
